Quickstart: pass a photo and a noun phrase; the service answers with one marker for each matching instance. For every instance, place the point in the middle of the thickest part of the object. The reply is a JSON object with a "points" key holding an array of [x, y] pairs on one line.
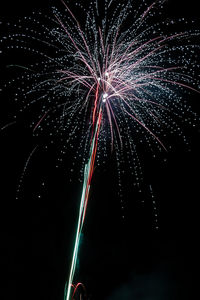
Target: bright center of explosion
{"points": [[105, 96]]}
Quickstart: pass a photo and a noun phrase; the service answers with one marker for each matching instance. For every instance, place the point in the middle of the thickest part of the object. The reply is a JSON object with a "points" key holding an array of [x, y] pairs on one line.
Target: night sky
{"points": [[120, 258]]}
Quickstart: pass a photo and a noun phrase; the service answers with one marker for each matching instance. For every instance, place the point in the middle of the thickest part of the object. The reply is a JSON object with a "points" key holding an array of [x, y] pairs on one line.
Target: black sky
{"points": [[119, 259]]}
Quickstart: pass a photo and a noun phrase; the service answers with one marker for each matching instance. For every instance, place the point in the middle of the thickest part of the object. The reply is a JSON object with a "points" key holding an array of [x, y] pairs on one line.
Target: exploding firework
{"points": [[107, 82]]}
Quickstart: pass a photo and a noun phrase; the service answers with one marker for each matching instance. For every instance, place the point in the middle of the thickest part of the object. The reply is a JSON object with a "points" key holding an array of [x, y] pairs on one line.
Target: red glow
{"points": [[76, 288]]}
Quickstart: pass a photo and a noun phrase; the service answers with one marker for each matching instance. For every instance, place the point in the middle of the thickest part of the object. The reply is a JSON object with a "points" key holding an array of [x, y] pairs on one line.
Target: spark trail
{"points": [[89, 168]]}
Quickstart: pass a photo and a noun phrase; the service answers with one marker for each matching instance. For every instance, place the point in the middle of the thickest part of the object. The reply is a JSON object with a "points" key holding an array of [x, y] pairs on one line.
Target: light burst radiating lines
{"points": [[134, 66], [141, 68], [105, 76]]}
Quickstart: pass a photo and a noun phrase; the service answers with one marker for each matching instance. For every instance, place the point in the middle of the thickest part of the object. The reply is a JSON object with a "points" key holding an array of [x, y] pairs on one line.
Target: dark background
{"points": [[119, 258]]}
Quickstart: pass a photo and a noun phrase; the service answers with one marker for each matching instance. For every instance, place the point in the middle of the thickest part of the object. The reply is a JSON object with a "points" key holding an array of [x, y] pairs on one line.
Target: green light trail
{"points": [[83, 205]]}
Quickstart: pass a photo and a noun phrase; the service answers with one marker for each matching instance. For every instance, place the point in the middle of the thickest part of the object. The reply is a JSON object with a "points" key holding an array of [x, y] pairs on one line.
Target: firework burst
{"points": [[107, 81], [141, 71]]}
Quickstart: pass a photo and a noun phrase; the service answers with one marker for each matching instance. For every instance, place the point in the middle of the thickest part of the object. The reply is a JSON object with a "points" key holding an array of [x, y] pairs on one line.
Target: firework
{"points": [[107, 81]]}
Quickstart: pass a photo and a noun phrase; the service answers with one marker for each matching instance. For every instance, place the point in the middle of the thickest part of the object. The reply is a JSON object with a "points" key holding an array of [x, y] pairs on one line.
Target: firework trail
{"points": [[84, 200], [107, 82], [76, 288]]}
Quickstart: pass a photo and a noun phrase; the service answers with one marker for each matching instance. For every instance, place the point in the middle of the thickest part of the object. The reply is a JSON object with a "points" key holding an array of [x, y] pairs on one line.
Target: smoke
{"points": [[162, 283], [143, 287]]}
